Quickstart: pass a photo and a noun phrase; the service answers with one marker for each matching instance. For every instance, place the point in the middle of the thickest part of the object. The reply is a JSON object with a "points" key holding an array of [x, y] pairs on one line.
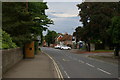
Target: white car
{"points": [[57, 47], [65, 48]]}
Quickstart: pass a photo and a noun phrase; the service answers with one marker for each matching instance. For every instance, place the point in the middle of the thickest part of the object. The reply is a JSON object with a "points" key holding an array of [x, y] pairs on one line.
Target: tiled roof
{"points": [[66, 37], [59, 38]]}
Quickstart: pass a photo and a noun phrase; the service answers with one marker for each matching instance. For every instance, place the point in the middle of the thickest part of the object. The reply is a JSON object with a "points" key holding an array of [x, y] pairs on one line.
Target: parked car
{"points": [[57, 47], [65, 48]]}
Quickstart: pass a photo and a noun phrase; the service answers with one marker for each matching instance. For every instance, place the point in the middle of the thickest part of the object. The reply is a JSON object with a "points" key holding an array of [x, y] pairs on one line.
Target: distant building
{"points": [[58, 38], [44, 43], [66, 40]]}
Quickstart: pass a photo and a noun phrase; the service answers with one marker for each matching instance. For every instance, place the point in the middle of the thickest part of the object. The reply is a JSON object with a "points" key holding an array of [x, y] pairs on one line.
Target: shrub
{"points": [[6, 41]]}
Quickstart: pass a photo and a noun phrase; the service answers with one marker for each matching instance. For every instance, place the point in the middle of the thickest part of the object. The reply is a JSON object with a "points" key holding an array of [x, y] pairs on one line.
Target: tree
{"points": [[41, 20], [17, 21], [21, 21], [96, 19], [114, 31], [50, 37]]}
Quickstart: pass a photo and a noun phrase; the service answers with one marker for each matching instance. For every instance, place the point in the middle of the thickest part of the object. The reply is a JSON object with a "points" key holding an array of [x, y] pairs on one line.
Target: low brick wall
{"points": [[10, 57]]}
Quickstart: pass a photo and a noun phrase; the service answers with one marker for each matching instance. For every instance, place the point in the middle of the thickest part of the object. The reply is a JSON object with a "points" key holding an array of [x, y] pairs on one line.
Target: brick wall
{"points": [[10, 57]]}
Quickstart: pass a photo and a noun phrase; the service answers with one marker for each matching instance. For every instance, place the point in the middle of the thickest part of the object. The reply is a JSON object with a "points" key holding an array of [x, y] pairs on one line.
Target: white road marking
{"points": [[90, 65], [65, 60], [81, 61], [96, 59], [104, 71], [66, 74]]}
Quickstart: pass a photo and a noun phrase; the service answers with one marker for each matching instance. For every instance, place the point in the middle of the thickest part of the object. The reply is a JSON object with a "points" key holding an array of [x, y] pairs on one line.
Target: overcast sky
{"points": [[64, 15]]}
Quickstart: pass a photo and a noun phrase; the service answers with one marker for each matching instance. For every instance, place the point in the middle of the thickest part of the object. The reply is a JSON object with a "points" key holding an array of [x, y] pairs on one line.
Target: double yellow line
{"points": [[60, 76]]}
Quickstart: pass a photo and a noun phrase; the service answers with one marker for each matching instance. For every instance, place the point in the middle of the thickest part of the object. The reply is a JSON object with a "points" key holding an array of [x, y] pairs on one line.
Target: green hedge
{"points": [[6, 41]]}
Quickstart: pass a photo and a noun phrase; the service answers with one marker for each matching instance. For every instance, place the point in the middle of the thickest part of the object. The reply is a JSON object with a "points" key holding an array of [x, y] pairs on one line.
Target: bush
{"points": [[6, 41]]}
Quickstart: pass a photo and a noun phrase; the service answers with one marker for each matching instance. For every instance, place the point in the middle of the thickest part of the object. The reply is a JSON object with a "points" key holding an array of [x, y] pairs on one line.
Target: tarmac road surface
{"points": [[79, 66]]}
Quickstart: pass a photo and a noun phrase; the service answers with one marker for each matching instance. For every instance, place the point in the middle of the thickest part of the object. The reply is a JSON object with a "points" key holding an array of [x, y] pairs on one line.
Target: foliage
{"points": [[37, 11], [50, 37], [21, 21], [6, 41], [41, 20], [101, 23], [114, 30], [96, 19], [16, 21]]}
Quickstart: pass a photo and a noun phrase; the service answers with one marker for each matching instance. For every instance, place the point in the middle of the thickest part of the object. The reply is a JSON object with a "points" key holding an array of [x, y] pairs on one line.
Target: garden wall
{"points": [[10, 57]]}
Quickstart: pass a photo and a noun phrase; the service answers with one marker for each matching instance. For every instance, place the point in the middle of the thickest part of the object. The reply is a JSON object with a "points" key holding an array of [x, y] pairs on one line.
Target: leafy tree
{"points": [[50, 37], [96, 19], [17, 21], [79, 33], [114, 31], [41, 20], [22, 21]]}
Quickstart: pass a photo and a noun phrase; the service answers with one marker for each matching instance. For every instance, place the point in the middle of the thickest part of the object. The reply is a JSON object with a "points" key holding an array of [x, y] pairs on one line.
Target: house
{"points": [[58, 38], [66, 40], [44, 43]]}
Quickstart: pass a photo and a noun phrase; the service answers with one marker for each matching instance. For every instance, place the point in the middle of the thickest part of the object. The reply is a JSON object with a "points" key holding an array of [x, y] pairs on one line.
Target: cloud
{"points": [[62, 0], [61, 15], [65, 15], [55, 12], [62, 25], [64, 19]]}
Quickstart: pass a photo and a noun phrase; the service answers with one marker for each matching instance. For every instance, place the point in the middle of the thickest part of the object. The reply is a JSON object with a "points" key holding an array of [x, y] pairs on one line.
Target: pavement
{"points": [[39, 67], [79, 66], [107, 56]]}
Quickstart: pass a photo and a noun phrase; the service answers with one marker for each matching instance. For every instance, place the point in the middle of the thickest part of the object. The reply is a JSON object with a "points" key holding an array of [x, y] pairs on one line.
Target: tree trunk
{"points": [[23, 51], [48, 44], [89, 47], [116, 51]]}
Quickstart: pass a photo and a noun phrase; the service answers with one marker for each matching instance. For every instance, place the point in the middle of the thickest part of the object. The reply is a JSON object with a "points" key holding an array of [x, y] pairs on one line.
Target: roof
{"points": [[59, 38], [66, 37], [60, 35]]}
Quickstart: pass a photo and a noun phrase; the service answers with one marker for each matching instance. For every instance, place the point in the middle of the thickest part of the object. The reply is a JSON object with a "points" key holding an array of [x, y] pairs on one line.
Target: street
{"points": [[0, 64], [78, 66]]}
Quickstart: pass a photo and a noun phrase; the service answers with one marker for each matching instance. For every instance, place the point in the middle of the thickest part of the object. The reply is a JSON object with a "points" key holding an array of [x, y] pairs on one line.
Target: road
{"points": [[0, 64], [79, 66]]}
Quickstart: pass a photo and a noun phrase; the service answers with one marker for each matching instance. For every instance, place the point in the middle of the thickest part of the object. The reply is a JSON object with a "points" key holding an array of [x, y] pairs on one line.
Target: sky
{"points": [[62, 0], [64, 15]]}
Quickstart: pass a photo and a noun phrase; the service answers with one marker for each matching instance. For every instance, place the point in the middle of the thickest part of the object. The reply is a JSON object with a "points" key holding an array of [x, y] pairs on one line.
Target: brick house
{"points": [[58, 38], [66, 40]]}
